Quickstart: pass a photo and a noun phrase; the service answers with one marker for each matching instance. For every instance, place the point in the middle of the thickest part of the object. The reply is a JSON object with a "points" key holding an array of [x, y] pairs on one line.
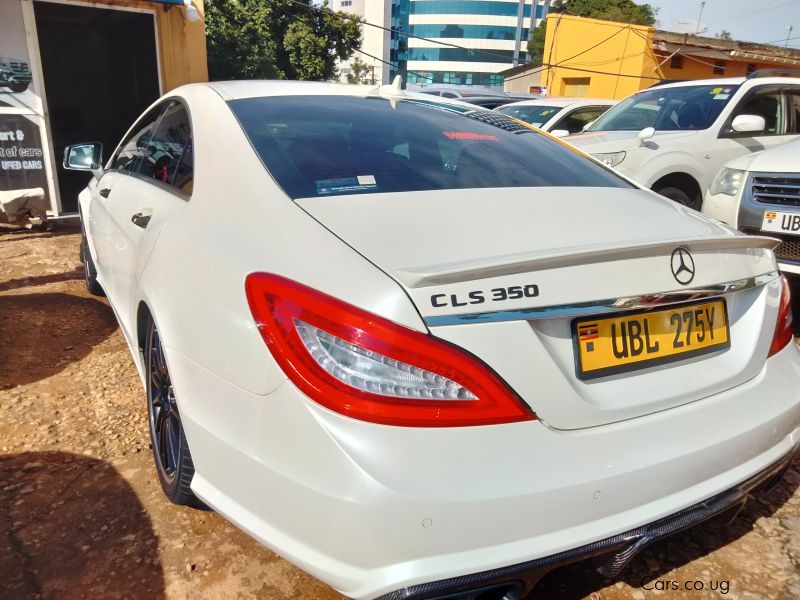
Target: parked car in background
{"points": [[559, 116], [15, 74], [370, 337], [760, 194], [490, 102], [674, 138], [450, 91]]}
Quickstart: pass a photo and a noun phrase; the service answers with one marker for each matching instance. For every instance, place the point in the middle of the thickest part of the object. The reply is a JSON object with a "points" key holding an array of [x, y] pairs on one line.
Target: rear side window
{"points": [[333, 145], [134, 147], [169, 157]]}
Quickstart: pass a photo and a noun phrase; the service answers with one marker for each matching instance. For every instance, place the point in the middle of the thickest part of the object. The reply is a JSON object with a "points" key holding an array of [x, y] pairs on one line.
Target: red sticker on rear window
{"points": [[469, 135]]}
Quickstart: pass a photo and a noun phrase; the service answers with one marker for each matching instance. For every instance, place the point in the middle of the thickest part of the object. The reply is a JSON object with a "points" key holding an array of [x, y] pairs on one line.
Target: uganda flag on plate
{"points": [[586, 333], [770, 216]]}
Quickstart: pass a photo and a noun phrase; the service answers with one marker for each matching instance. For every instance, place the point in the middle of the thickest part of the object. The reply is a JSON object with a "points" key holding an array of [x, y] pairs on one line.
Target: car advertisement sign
{"points": [[23, 169]]}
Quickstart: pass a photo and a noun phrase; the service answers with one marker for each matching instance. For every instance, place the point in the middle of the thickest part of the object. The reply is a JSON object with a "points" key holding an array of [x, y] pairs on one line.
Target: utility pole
{"points": [[518, 34], [788, 35], [700, 16]]}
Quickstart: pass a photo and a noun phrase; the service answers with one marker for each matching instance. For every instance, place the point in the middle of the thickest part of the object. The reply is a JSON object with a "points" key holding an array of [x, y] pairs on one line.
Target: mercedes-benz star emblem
{"points": [[682, 266]]}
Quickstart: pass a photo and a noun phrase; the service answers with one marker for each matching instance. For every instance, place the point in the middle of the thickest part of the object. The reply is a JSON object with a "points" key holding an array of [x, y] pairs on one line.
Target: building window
{"points": [[576, 87], [461, 55], [455, 78], [719, 67], [471, 7], [677, 62], [481, 32], [347, 3]]}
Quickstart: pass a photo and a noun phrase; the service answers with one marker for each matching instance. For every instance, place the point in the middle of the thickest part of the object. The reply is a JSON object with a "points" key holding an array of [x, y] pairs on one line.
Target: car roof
{"points": [[234, 90], [725, 81], [563, 102]]}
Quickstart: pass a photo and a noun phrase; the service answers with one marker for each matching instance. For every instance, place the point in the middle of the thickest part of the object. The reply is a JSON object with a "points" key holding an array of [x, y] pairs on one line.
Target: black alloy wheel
{"points": [[170, 449]]}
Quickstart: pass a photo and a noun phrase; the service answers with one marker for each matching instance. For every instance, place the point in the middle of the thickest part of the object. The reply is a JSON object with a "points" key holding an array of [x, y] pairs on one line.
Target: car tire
{"points": [[18, 87], [167, 438], [89, 270], [678, 195]]}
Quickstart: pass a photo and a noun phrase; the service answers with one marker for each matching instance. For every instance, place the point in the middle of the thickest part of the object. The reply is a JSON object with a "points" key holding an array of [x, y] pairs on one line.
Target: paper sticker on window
{"points": [[469, 135], [346, 185], [721, 97], [716, 90]]}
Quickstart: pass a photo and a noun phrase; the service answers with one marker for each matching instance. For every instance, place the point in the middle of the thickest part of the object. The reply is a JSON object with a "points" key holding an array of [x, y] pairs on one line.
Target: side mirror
{"points": [[645, 134], [559, 133], [749, 124], [84, 157]]}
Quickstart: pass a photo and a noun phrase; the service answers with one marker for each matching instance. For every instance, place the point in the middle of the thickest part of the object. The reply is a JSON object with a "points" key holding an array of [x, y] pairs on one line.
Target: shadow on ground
{"points": [[21, 282], [40, 334], [101, 545], [579, 580]]}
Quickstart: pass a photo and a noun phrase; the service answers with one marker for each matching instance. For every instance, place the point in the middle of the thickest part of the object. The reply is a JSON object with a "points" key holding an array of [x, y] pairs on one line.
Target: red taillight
{"points": [[369, 368], [783, 329]]}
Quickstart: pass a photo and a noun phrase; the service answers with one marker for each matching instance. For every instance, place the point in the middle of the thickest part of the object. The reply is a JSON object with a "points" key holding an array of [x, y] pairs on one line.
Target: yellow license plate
{"points": [[637, 340]]}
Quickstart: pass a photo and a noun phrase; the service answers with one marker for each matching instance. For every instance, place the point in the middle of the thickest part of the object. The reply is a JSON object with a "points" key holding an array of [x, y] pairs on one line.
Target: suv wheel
{"points": [[678, 195]]}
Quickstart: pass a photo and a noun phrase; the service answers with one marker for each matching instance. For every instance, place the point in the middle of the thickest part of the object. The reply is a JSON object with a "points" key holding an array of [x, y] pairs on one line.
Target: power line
{"points": [[343, 15], [427, 77]]}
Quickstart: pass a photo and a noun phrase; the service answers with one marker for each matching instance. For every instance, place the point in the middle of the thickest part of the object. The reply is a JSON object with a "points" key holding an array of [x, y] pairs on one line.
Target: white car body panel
{"points": [[372, 508], [670, 152], [565, 106], [783, 159]]}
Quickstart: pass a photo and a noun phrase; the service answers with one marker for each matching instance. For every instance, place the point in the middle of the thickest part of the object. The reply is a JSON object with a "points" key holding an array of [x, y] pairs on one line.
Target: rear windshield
{"points": [[333, 145], [535, 115], [681, 108]]}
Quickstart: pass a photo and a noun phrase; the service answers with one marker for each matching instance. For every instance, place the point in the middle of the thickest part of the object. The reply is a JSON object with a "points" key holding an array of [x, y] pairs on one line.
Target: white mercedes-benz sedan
{"points": [[420, 349]]}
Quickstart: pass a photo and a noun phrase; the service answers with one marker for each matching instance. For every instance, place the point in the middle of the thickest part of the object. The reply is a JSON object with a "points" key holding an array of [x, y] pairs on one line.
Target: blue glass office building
{"points": [[488, 35]]}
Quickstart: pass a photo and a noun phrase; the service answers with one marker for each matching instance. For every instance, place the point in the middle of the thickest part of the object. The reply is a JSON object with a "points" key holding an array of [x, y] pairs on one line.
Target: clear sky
{"points": [[748, 20]]}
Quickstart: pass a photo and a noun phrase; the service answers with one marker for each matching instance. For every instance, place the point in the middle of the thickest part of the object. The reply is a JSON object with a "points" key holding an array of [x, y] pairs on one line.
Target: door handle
{"points": [[141, 220], [105, 192]]}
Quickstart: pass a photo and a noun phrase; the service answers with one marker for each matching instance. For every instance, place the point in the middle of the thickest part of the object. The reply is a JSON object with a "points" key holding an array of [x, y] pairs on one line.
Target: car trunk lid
{"points": [[555, 254]]}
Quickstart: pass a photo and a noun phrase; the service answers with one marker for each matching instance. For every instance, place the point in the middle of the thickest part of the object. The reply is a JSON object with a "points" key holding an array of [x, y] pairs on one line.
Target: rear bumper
{"points": [[447, 504], [612, 554]]}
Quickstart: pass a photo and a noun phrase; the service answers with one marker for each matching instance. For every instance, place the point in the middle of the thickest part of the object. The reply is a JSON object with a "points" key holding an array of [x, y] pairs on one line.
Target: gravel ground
{"points": [[82, 515]]}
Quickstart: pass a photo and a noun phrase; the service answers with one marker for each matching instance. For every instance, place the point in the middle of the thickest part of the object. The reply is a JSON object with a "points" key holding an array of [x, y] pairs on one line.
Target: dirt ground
{"points": [[82, 515]]}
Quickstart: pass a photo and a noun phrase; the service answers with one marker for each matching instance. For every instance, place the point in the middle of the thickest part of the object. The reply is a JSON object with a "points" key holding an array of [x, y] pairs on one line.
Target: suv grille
{"points": [[776, 190], [788, 249]]}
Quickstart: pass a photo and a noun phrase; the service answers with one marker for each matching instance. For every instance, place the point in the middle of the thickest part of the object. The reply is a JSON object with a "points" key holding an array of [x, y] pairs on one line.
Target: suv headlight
{"points": [[728, 182], [610, 159]]}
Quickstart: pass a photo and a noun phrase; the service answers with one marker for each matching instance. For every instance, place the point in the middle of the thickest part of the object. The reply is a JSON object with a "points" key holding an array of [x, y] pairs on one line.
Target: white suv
{"points": [[673, 138], [760, 194]]}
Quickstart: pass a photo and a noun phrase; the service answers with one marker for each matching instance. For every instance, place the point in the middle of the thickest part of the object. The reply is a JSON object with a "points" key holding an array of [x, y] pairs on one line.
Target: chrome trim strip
{"points": [[605, 306]]}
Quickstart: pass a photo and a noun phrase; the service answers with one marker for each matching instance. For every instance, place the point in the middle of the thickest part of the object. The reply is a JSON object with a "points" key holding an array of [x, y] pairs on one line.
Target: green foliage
{"points": [[276, 39], [621, 11], [360, 72], [536, 43], [724, 35]]}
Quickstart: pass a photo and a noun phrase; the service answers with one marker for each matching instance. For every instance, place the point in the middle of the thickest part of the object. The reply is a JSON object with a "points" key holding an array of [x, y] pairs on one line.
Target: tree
{"points": [[360, 72], [724, 35], [621, 11], [276, 39]]}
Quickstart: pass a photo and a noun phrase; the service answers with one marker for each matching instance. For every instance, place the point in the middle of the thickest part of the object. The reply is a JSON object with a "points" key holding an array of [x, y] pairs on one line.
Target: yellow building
{"points": [[76, 70], [605, 59]]}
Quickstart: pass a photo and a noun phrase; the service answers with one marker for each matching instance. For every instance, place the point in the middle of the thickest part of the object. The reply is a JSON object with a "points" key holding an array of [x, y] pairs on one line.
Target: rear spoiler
{"points": [[512, 264]]}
